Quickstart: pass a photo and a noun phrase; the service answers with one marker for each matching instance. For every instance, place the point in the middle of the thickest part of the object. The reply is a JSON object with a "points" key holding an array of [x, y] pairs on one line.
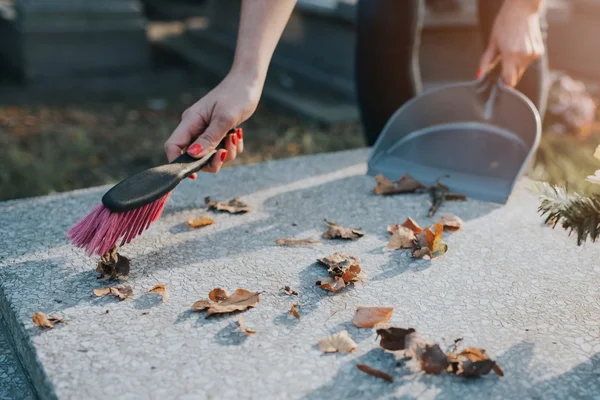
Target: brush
{"points": [[132, 205]]}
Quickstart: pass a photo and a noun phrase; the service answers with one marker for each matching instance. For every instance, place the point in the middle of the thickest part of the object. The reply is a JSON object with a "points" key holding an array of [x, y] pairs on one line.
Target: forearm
{"points": [[534, 5], [261, 24]]}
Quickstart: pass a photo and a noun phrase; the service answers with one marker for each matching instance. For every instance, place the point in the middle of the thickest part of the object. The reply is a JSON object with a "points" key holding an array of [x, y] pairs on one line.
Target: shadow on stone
{"points": [[147, 301], [229, 336]]}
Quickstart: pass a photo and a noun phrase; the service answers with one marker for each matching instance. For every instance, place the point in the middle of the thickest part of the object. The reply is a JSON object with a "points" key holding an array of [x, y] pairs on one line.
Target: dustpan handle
{"points": [[490, 80]]}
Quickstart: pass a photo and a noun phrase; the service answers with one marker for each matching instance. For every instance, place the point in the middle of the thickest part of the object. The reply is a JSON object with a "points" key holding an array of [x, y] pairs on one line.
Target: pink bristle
{"points": [[100, 230]]}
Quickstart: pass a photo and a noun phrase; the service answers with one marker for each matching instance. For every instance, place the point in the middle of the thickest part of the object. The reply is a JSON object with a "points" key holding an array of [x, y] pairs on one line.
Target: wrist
{"points": [[249, 69]]}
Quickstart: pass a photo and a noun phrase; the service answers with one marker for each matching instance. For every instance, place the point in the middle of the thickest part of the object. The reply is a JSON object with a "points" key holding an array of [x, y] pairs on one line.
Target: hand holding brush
{"points": [[133, 204]]}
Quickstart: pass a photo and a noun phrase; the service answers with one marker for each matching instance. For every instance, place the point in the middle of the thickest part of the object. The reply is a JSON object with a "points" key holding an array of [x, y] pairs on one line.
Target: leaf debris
{"points": [[471, 362], [40, 319], [160, 289], [336, 231], [200, 222], [234, 206], [242, 326], [375, 372], [406, 184], [296, 242], [121, 292], [338, 342], [222, 303], [451, 222], [342, 268], [113, 265], [294, 311], [368, 317], [289, 291], [429, 244]]}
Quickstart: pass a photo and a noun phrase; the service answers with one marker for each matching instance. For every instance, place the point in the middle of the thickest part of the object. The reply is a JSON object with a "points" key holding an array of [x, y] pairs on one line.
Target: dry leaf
{"points": [[112, 265], [332, 284], [451, 222], [394, 339], [296, 242], [338, 342], [473, 362], [375, 372], [412, 225], [242, 326], [433, 360], [294, 311], [234, 206], [368, 317], [40, 319], [338, 232], [200, 222], [337, 263], [240, 300], [429, 244], [218, 295], [289, 291], [121, 292], [402, 238], [162, 290], [406, 184]]}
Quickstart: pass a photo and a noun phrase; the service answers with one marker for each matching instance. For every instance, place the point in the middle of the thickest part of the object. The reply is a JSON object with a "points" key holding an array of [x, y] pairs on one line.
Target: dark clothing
{"points": [[389, 31]]}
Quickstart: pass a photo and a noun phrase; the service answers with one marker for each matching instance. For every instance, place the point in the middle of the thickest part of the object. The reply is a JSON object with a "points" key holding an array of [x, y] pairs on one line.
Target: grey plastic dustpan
{"points": [[480, 134]]}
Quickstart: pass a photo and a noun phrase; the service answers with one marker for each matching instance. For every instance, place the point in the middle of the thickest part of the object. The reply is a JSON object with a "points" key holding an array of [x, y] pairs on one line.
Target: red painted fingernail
{"points": [[194, 149], [240, 133], [234, 139], [223, 155], [478, 74], [192, 176]]}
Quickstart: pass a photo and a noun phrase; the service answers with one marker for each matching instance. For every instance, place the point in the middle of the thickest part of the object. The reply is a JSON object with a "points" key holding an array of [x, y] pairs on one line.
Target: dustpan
{"points": [[478, 136]]}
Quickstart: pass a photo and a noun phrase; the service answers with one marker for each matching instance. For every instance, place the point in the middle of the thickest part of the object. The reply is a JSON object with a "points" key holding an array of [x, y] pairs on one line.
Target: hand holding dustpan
{"points": [[480, 134]]}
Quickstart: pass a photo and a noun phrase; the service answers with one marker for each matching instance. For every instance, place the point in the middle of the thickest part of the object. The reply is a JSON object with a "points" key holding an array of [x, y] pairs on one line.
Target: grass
{"points": [[46, 149]]}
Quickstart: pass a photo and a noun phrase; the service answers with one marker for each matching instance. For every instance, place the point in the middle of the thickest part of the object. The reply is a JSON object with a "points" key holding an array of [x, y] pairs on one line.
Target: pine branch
{"points": [[575, 213]]}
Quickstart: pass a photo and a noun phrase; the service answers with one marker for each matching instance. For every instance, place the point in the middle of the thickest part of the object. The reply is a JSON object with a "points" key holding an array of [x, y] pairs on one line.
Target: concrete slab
{"points": [[13, 381], [509, 284]]}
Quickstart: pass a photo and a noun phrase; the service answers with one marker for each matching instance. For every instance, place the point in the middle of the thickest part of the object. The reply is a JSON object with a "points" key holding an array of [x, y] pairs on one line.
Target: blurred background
{"points": [[90, 89]]}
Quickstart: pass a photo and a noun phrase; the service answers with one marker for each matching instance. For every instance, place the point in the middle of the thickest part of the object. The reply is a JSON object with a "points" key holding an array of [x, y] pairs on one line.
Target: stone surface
{"points": [[13, 381], [508, 284]]}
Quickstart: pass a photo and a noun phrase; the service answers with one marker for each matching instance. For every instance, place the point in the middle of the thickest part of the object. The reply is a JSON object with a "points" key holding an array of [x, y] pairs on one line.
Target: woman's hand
{"points": [[206, 123], [516, 37]]}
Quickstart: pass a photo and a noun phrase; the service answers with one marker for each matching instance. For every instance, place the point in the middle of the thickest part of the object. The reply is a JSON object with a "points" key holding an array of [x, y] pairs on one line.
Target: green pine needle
{"points": [[575, 213]]}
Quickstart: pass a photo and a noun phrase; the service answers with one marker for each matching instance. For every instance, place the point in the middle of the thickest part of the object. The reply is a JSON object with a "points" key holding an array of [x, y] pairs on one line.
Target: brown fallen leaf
{"points": [[368, 317], [473, 362], [240, 300], [338, 342], [440, 193], [451, 222], [338, 263], [394, 339], [402, 238], [162, 290], [342, 268], [112, 265], [218, 295], [40, 319], [406, 184], [336, 231], [242, 326], [296, 242], [375, 372], [412, 225], [294, 311], [429, 244], [200, 222], [289, 291], [121, 292], [433, 360], [332, 284], [234, 206]]}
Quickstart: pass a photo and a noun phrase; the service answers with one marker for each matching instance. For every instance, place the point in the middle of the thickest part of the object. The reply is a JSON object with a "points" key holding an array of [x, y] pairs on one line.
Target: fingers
{"points": [[217, 161], [189, 128], [510, 71], [240, 135], [487, 58]]}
